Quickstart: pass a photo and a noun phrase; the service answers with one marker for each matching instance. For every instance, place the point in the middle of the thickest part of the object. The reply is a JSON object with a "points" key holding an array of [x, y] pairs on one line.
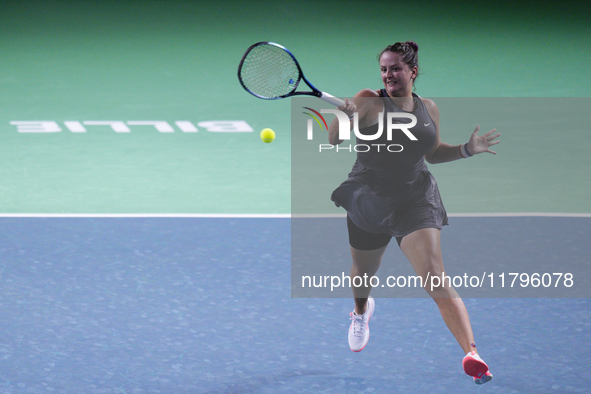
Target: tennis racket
{"points": [[269, 71]]}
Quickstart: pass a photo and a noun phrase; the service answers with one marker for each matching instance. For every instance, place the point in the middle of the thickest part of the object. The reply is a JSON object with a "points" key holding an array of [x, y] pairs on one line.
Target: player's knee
{"points": [[432, 268], [442, 293], [435, 281], [367, 265]]}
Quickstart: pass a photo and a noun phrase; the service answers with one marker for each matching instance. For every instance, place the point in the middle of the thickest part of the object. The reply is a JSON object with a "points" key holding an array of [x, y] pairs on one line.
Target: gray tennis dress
{"points": [[394, 192]]}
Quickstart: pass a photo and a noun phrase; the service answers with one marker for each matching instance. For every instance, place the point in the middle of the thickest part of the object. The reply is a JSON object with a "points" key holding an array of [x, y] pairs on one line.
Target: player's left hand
{"points": [[482, 143]]}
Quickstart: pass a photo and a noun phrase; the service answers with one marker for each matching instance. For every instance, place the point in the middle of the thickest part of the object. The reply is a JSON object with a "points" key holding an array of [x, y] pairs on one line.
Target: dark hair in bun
{"points": [[409, 51]]}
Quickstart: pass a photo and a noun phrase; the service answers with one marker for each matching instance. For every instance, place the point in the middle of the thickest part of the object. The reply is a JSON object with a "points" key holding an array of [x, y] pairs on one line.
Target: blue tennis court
{"points": [[203, 305]]}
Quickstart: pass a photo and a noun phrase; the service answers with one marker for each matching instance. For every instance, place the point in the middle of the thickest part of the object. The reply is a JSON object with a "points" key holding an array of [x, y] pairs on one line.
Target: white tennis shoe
{"points": [[359, 328]]}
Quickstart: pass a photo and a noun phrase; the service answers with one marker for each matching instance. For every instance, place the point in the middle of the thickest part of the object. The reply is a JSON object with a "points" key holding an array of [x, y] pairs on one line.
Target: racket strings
{"points": [[269, 72]]}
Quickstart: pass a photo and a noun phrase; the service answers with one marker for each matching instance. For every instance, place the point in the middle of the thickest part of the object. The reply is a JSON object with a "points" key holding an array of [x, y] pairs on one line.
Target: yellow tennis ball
{"points": [[267, 135]]}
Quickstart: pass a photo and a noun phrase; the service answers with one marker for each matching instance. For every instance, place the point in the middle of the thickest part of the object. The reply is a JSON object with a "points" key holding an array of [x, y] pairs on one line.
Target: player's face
{"points": [[396, 75]]}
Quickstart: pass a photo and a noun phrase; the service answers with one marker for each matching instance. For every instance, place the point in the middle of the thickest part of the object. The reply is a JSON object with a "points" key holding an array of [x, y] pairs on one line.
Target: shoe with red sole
{"points": [[475, 367]]}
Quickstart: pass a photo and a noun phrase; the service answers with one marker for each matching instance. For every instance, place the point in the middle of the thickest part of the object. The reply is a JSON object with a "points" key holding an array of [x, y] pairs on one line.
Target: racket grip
{"points": [[337, 102]]}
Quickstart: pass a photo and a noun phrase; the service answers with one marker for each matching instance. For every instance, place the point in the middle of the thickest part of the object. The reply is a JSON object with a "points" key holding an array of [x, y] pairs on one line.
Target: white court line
{"points": [[470, 215], [142, 215], [270, 216], [521, 214]]}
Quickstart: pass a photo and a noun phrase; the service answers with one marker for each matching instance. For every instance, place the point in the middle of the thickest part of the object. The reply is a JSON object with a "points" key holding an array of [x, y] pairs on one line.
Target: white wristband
{"points": [[464, 151]]}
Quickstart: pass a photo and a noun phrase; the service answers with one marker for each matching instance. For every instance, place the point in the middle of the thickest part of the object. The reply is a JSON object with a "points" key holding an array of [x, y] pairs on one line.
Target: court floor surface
{"points": [[203, 305]]}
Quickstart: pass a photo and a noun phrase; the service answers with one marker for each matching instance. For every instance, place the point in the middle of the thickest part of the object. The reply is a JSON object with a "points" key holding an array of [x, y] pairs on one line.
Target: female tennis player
{"points": [[391, 193]]}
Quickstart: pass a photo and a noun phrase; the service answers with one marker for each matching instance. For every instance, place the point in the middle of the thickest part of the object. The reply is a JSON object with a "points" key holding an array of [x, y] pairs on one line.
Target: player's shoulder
{"points": [[430, 104], [431, 107], [368, 93]]}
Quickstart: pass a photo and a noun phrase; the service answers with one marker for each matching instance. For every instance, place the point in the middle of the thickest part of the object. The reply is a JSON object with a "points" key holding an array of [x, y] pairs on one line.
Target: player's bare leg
{"points": [[423, 250]]}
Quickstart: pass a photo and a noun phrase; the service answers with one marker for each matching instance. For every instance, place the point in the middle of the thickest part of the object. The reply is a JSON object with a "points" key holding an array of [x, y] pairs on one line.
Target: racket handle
{"points": [[337, 102]]}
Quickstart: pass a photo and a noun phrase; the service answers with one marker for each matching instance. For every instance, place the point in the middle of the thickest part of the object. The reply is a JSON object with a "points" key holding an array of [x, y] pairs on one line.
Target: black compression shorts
{"points": [[363, 240]]}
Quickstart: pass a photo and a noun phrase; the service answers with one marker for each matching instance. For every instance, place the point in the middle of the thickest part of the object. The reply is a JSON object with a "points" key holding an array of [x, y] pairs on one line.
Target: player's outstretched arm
{"points": [[360, 105], [442, 152]]}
